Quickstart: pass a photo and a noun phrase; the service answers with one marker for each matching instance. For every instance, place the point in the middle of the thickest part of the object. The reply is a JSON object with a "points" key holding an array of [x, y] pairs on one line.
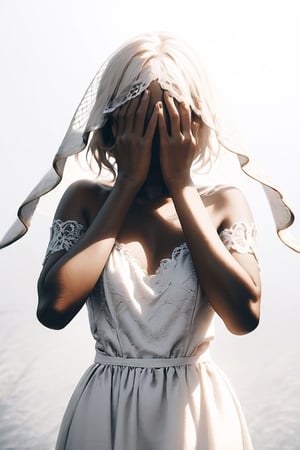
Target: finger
{"points": [[196, 125], [185, 118], [131, 112], [141, 114], [152, 123], [173, 114], [162, 126], [121, 118]]}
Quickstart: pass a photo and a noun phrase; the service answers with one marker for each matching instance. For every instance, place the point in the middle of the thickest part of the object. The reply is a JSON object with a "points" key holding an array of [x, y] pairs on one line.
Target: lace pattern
{"points": [[240, 237], [140, 86], [63, 235], [125, 96], [164, 263]]}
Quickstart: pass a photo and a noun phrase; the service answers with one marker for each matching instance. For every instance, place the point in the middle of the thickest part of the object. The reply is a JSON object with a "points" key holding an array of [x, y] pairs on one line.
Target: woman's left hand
{"points": [[178, 146]]}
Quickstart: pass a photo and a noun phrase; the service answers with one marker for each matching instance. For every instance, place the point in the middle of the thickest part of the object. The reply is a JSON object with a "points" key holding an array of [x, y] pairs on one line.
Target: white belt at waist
{"points": [[105, 359]]}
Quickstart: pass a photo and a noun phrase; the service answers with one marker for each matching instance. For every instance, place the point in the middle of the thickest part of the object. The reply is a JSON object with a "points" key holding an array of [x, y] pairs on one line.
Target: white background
{"points": [[49, 51]]}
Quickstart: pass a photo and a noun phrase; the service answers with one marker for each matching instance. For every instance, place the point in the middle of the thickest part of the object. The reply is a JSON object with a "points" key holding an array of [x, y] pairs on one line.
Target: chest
{"points": [[152, 236]]}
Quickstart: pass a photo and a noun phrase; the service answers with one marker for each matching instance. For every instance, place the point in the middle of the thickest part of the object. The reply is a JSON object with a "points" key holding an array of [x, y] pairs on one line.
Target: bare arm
{"points": [[69, 277], [230, 281]]}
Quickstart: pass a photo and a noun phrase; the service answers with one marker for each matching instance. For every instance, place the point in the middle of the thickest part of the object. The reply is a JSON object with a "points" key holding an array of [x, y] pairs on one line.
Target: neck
{"points": [[153, 195]]}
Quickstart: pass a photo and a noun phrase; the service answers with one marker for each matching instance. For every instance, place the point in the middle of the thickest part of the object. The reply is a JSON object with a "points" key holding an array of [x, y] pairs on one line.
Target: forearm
{"points": [[66, 284], [229, 288]]}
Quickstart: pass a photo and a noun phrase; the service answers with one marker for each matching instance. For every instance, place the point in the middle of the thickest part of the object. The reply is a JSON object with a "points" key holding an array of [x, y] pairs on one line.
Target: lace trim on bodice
{"points": [[63, 235], [240, 237], [181, 249]]}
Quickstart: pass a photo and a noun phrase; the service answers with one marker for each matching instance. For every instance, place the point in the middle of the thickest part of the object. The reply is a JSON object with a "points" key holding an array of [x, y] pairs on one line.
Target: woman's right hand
{"points": [[68, 278], [133, 141]]}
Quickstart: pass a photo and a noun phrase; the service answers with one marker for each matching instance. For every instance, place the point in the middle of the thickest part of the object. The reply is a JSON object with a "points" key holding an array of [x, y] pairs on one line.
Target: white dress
{"points": [[153, 385]]}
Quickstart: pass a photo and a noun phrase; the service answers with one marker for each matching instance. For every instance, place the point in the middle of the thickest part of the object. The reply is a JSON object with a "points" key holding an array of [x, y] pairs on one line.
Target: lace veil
{"points": [[179, 71]]}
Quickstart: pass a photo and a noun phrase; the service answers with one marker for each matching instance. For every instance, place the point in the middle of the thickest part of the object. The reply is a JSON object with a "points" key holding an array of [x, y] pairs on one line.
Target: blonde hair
{"points": [[130, 71]]}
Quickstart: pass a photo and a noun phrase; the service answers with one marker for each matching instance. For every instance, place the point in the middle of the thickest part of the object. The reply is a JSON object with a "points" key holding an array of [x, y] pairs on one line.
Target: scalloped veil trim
{"points": [[76, 140]]}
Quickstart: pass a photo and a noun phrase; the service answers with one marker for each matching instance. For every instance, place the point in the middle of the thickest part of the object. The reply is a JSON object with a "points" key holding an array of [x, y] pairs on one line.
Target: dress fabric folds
{"points": [[153, 385]]}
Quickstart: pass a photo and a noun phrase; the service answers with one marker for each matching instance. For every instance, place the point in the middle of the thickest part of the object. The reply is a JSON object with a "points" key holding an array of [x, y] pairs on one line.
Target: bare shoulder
{"points": [[231, 205], [81, 201]]}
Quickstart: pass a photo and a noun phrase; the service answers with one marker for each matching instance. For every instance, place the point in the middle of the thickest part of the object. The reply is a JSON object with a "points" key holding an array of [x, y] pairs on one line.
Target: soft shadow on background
{"points": [[49, 52]]}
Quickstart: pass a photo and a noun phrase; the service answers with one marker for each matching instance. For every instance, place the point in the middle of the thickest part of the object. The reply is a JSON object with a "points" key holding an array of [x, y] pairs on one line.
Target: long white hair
{"points": [[126, 74], [132, 68]]}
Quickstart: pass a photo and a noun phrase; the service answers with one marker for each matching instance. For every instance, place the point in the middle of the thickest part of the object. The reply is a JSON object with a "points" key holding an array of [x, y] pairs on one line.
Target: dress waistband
{"points": [[105, 359]]}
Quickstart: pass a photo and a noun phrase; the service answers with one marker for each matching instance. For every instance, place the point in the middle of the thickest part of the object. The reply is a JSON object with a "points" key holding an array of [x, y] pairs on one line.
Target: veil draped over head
{"points": [[126, 75]]}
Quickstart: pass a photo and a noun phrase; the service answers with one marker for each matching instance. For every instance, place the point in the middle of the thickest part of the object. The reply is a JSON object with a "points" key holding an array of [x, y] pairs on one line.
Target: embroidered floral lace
{"points": [[63, 235], [164, 263], [133, 92], [240, 237], [137, 89]]}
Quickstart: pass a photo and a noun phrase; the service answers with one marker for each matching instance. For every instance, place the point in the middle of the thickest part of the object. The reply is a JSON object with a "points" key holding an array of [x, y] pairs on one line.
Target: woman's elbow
{"points": [[56, 311], [51, 318], [247, 320], [244, 328], [46, 313]]}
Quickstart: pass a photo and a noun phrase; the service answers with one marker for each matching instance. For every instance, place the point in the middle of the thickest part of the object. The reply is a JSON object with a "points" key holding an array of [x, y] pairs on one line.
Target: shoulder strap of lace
{"points": [[241, 237], [63, 235]]}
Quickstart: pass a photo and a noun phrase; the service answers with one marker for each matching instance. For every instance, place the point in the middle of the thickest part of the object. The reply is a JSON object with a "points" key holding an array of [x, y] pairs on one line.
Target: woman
{"points": [[153, 256]]}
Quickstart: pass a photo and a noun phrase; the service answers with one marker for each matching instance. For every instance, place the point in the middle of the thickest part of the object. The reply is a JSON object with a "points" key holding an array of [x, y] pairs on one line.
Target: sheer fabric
{"points": [[91, 115], [240, 237]]}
